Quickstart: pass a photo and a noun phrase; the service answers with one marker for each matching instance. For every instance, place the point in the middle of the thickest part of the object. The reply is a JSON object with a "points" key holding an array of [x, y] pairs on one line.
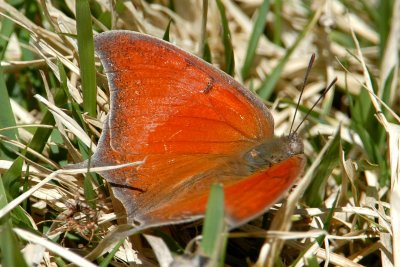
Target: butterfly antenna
{"points": [[310, 63], [316, 102]]}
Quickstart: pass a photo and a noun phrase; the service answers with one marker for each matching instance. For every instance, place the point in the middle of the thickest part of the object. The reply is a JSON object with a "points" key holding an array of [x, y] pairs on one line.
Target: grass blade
{"points": [[277, 22], [315, 192], [6, 114], [86, 56], [268, 85], [166, 33], [228, 49], [9, 247], [255, 37], [214, 225]]}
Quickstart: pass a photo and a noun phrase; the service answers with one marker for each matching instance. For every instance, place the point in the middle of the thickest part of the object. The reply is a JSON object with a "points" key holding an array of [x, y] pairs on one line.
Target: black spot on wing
{"points": [[209, 87], [125, 186]]}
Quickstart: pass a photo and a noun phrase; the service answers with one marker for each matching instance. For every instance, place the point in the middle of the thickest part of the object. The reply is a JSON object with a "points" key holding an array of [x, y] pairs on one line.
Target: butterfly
{"points": [[193, 126]]}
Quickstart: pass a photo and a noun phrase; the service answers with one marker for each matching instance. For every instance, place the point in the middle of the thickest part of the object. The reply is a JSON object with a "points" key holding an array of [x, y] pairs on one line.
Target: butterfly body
{"points": [[193, 126]]}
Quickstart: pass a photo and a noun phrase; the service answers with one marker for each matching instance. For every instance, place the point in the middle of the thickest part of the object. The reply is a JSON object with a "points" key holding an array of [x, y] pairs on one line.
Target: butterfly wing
{"points": [[171, 102], [245, 198], [190, 123]]}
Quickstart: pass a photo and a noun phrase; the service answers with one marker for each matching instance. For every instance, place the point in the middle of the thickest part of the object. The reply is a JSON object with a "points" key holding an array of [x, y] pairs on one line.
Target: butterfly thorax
{"points": [[273, 151]]}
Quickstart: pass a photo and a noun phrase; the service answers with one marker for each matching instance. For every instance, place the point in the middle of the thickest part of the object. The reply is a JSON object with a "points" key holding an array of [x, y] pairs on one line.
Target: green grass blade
{"points": [[12, 178], [268, 85], [255, 37], [86, 56], [6, 114], [312, 262], [38, 142], [166, 33], [372, 136], [277, 22], [75, 108], [171, 5], [328, 220], [385, 9], [386, 91], [88, 190], [316, 191], [60, 262], [7, 28], [207, 52], [228, 48], [171, 243], [9, 248], [106, 262], [41, 135], [214, 225], [10, 251]]}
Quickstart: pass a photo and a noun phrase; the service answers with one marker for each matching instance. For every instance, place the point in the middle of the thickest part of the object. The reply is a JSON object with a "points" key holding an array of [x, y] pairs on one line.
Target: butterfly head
{"points": [[294, 144], [273, 151]]}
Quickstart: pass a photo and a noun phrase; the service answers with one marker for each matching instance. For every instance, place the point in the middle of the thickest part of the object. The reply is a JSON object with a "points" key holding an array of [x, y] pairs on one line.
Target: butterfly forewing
{"points": [[164, 100]]}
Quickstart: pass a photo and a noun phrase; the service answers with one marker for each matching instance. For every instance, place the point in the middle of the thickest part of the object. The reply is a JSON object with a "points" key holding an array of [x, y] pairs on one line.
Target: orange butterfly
{"points": [[194, 126]]}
